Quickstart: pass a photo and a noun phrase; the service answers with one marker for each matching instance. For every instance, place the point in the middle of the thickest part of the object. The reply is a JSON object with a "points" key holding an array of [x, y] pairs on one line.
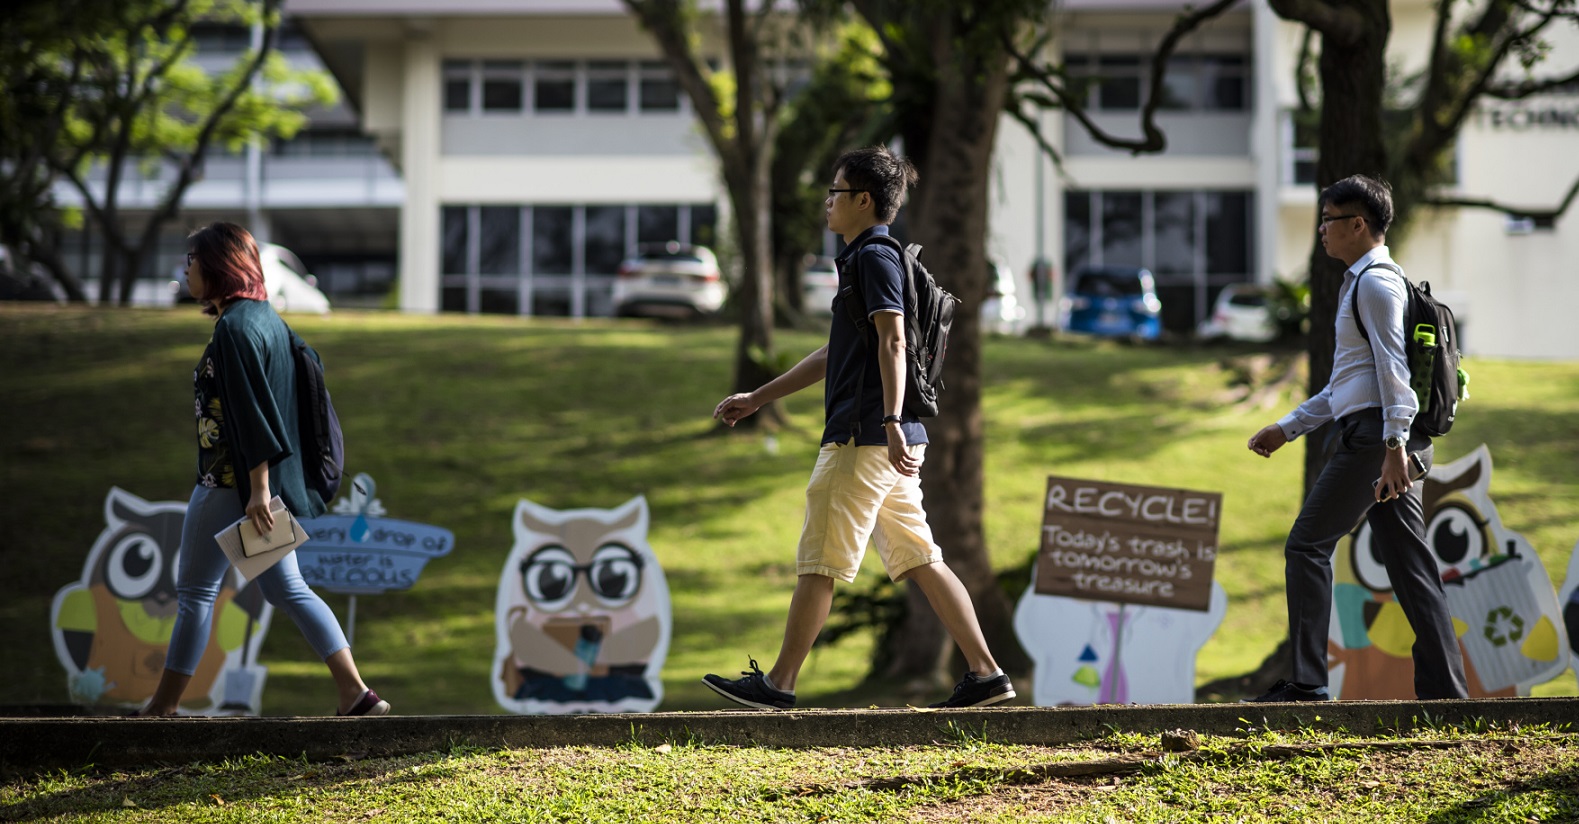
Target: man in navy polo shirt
{"points": [[867, 482]]}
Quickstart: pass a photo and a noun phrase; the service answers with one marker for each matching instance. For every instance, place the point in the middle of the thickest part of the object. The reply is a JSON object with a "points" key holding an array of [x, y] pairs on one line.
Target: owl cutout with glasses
{"points": [[1504, 609], [582, 618]]}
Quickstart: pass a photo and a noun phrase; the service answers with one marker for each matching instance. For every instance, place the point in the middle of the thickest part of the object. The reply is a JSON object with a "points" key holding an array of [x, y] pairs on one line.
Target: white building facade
{"points": [[540, 140]]}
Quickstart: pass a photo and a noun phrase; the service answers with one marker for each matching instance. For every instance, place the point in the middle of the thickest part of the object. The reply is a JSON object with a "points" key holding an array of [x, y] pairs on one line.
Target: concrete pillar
{"points": [[1266, 147], [419, 160]]}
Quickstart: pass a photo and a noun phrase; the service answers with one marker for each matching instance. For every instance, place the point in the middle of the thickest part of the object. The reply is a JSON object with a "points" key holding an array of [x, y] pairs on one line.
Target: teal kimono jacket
{"points": [[246, 408]]}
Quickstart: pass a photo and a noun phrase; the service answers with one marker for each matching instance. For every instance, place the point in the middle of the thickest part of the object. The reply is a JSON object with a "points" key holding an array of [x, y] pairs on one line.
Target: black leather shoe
{"points": [[1285, 692]]}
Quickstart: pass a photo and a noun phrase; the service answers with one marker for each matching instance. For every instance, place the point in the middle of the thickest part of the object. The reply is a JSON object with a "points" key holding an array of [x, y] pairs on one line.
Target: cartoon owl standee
{"points": [[1507, 617], [582, 616], [112, 628], [1102, 652], [1568, 598]]}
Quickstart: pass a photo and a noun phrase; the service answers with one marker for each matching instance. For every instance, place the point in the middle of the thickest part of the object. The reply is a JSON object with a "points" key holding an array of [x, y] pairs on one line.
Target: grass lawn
{"points": [[1485, 775], [457, 418]]}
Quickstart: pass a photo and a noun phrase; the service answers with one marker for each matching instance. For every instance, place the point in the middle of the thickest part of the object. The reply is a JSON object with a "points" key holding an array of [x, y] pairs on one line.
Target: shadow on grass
{"points": [[1558, 793]]}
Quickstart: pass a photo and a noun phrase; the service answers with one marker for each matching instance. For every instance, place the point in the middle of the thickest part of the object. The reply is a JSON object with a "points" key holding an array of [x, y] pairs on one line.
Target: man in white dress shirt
{"points": [[1369, 474]]}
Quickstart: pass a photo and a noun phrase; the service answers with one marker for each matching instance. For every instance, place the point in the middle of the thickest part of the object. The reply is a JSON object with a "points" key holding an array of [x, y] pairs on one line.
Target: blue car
{"points": [[1112, 301]]}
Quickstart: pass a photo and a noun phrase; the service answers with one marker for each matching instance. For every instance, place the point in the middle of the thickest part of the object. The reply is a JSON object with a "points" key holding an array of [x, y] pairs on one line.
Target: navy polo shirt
{"points": [[853, 388]]}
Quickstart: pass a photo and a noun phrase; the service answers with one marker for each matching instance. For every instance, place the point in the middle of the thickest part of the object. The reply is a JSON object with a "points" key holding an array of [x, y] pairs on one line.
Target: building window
{"points": [[551, 259], [554, 86], [453, 255], [499, 240], [1299, 147], [1193, 242], [608, 86], [502, 86], [657, 224], [1119, 83], [552, 237], [1192, 82], [458, 82], [326, 143], [557, 87], [660, 91]]}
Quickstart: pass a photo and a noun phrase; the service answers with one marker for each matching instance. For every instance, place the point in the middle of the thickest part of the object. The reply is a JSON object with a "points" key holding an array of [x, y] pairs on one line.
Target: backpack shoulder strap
{"points": [[857, 309], [1354, 296]]}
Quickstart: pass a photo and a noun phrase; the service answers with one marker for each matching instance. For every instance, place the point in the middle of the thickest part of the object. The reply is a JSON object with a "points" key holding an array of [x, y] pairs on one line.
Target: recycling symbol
{"points": [[1502, 626]]}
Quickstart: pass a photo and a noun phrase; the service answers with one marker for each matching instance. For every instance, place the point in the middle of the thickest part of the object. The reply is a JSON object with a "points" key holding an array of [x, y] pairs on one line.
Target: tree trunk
{"points": [[750, 191], [1353, 73], [48, 256], [949, 217]]}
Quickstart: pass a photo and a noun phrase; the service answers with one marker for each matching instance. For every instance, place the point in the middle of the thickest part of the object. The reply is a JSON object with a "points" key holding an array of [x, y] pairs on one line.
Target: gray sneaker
{"points": [[752, 690], [976, 691]]}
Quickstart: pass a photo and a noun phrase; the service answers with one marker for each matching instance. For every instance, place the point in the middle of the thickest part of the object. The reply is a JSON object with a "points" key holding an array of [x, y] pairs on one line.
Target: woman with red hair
{"points": [[249, 450]]}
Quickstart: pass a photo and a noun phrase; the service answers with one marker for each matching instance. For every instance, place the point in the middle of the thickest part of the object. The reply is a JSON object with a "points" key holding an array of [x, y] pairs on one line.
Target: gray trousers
{"points": [[1342, 496]]}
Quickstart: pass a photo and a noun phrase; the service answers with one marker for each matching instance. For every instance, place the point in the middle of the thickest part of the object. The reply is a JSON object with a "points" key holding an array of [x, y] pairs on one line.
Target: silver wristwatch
{"points": [[1394, 442]]}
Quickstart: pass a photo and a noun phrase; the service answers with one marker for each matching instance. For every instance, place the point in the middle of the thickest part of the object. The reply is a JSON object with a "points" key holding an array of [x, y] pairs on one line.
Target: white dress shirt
{"points": [[1365, 374]]}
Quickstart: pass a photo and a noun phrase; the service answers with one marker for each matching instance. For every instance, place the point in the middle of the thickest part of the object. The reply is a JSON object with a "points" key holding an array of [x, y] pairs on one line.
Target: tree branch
{"points": [[1035, 129], [1462, 107], [1154, 140], [1544, 215], [1299, 70], [1529, 87]]}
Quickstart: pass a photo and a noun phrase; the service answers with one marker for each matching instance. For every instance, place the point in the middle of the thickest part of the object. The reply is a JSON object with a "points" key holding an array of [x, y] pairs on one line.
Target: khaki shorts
{"points": [[856, 494]]}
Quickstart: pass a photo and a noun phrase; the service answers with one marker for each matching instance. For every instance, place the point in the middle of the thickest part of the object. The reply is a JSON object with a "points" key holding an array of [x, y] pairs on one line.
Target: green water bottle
{"points": [[1422, 356]]}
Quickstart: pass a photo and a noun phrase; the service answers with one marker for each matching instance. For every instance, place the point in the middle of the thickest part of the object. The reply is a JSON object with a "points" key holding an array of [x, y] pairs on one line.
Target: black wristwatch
{"points": [[888, 419], [1394, 442]]}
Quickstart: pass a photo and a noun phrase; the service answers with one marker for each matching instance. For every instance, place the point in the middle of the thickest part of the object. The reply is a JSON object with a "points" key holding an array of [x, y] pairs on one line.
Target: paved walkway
{"points": [[73, 742]]}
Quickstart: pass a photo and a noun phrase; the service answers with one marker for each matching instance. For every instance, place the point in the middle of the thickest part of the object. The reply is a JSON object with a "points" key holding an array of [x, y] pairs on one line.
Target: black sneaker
{"points": [[1285, 691], [976, 691], [752, 690]]}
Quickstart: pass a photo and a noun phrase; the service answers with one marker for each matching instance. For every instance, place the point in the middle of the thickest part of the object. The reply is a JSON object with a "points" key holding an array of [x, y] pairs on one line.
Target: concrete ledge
{"points": [[28, 744]]}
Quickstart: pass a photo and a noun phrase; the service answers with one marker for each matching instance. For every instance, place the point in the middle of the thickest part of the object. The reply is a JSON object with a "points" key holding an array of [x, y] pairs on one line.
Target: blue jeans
{"points": [[203, 570]]}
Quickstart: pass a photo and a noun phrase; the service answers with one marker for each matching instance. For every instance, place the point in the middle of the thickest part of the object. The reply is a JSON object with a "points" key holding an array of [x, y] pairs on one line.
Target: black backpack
{"points": [[323, 444], [929, 314], [1436, 373]]}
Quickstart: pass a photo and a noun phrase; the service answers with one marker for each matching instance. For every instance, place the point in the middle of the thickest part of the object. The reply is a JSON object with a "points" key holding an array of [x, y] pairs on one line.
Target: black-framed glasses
{"points": [[190, 256], [549, 575], [1325, 219], [832, 192]]}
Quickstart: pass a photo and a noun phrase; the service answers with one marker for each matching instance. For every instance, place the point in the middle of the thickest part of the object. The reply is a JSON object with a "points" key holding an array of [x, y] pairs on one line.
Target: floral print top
{"points": [[215, 469]]}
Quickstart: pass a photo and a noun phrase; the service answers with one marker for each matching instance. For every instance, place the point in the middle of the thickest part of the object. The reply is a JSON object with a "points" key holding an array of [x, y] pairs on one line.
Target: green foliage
{"points": [[1290, 306], [117, 83]]}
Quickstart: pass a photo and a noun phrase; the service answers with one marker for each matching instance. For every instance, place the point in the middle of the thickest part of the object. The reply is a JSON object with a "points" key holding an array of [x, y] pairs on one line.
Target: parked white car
{"points": [[1002, 313], [291, 288], [819, 285], [673, 279], [1243, 312]]}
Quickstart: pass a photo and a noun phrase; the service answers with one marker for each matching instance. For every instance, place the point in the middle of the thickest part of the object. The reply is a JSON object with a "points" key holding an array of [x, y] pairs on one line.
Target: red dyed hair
{"points": [[231, 268]]}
